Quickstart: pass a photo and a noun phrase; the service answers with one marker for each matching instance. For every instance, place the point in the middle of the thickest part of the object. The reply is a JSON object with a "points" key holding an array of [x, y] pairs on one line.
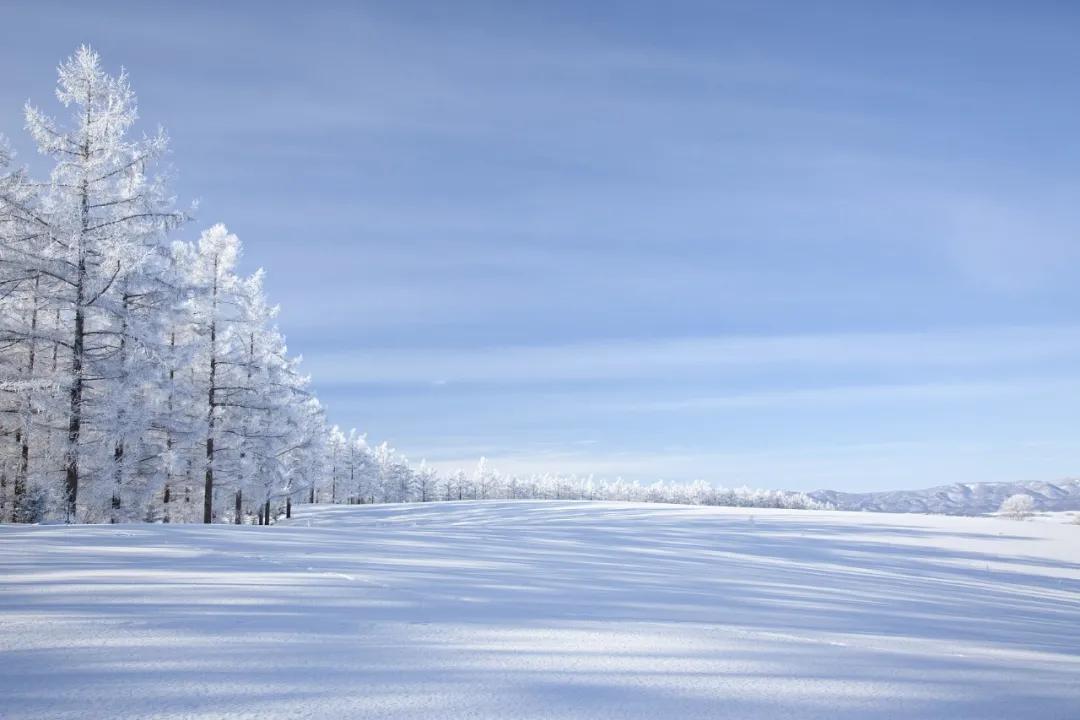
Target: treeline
{"points": [[143, 379], [360, 474]]}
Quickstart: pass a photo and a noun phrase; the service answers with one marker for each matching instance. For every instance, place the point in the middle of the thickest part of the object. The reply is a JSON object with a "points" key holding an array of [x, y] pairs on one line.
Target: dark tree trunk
{"points": [[4, 498], [56, 347], [208, 483], [169, 429], [333, 481], [75, 395], [118, 459], [118, 450], [19, 489], [22, 436]]}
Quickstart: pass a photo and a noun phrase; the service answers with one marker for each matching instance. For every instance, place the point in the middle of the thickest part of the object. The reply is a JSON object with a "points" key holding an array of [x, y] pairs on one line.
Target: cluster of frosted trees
{"points": [[143, 379], [140, 378], [358, 473]]}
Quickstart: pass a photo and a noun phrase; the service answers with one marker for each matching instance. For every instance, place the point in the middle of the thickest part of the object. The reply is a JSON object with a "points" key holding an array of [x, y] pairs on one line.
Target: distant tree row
{"points": [[358, 473], [143, 379]]}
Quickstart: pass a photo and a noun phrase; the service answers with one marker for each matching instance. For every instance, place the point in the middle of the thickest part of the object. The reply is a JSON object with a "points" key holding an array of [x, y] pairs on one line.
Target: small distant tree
{"points": [[1017, 506], [485, 480], [426, 483]]}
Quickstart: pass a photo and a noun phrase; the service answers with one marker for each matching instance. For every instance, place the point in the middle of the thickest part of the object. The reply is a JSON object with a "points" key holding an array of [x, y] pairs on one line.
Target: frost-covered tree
{"points": [[361, 469], [451, 484], [338, 449], [484, 481], [102, 222], [1017, 506], [267, 402], [305, 462], [426, 482], [213, 307]]}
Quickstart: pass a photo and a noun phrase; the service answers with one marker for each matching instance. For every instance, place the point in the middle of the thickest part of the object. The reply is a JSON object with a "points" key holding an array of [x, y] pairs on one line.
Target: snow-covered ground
{"points": [[544, 610]]}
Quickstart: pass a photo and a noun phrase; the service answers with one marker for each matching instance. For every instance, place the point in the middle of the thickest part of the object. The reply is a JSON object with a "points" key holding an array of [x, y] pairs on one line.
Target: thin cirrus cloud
{"points": [[861, 395], [1018, 347]]}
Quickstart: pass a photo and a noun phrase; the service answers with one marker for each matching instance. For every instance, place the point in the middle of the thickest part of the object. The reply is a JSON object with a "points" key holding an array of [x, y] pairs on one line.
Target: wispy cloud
{"points": [[924, 394], [712, 356]]}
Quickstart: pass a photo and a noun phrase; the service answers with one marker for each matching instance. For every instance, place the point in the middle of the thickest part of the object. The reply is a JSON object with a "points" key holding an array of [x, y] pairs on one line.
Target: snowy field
{"points": [[507, 610]]}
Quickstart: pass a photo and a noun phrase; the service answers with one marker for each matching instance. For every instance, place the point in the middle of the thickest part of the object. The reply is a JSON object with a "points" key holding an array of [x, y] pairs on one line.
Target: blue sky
{"points": [[785, 244]]}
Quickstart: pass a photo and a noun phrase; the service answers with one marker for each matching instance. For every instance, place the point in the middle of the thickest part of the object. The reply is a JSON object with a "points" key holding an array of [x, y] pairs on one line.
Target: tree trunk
{"points": [[333, 480], [56, 347], [22, 435], [19, 488], [75, 396], [208, 484], [169, 428], [118, 450], [4, 497], [118, 478]]}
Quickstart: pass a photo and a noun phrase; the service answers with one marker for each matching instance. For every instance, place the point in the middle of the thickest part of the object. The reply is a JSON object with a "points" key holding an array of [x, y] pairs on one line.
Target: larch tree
{"points": [[103, 218], [426, 482], [213, 306]]}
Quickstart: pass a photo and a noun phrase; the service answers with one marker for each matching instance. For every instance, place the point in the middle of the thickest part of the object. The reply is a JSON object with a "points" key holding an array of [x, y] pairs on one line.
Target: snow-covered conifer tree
{"points": [[104, 219], [213, 306]]}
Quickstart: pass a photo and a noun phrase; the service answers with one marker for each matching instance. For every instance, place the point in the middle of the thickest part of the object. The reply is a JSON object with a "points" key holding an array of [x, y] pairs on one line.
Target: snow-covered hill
{"points": [[544, 610], [959, 499]]}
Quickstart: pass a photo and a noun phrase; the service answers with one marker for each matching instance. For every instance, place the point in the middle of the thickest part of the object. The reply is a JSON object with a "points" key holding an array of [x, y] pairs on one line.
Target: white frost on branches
{"points": [[1017, 506]]}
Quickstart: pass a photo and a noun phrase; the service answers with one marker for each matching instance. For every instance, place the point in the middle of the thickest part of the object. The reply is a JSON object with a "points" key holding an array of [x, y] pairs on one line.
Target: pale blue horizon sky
{"points": [[783, 244]]}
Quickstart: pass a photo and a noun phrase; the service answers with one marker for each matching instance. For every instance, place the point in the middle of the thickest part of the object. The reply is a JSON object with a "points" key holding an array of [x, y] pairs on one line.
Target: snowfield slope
{"points": [[508, 610]]}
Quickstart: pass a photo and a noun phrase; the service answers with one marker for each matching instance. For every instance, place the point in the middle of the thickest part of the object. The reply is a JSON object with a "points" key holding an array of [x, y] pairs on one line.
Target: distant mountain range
{"points": [[958, 499]]}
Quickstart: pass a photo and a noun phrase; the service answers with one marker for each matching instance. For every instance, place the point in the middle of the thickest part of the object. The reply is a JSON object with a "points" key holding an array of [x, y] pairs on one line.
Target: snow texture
{"points": [[544, 609]]}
